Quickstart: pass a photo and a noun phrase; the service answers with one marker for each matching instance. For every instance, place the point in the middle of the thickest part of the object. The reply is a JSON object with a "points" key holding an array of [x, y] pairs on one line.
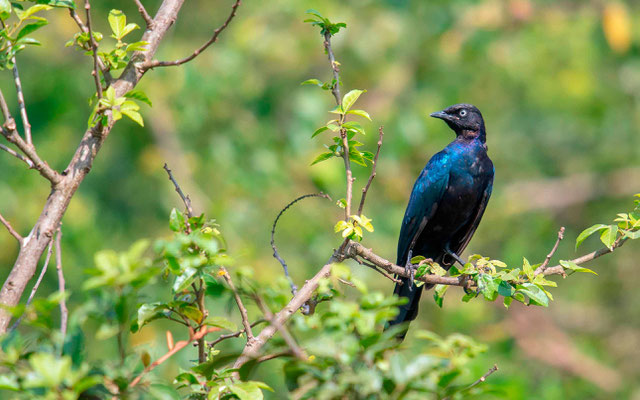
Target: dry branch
{"points": [[12, 231], [145, 15]]}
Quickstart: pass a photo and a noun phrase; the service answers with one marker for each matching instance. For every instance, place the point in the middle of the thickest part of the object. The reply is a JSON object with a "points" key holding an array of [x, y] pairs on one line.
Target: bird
{"points": [[446, 204]]}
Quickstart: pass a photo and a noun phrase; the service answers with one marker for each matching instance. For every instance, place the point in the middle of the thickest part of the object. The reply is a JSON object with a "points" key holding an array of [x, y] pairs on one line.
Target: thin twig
{"points": [[17, 155], [105, 71], [480, 380], [12, 231], [543, 266], [145, 15], [241, 307], [335, 89], [559, 269], [11, 134], [378, 270], [176, 348], [37, 285], [365, 189], [94, 50], [294, 288], [21, 103], [185, 199], [268, 357], [202, 48], [233, 335], [64, 312], [5, 108]]}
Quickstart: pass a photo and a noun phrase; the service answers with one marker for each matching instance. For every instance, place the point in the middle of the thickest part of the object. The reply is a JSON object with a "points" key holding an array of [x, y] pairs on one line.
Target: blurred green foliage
{"points": [[557, 82]]}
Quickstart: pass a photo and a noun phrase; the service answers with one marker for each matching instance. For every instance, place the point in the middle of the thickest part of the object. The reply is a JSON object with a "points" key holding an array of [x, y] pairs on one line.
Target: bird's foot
{"points": [[454, 255], [410, 269]]}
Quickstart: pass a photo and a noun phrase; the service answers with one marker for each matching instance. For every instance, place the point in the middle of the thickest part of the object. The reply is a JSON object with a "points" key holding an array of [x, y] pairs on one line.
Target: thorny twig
{"points": [[200, 49], [294, 288]]}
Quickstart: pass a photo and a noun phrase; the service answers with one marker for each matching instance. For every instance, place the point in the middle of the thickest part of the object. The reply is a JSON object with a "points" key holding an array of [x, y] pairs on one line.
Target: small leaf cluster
{"points": [[352, 229], [119, 56], [345, 130], [14, 35], [325, 25], [626, 226]]}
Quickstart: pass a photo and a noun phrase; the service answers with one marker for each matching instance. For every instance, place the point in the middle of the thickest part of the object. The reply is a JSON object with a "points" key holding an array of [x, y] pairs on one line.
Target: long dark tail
{"points": [[408, 311]]}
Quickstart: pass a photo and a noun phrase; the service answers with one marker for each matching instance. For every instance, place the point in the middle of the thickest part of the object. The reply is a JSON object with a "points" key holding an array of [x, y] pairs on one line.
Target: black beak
{"points": [[441, 115]]}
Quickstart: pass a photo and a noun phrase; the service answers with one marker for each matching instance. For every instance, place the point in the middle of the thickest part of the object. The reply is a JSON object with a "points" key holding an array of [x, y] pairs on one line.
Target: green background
{"points": [[558, 83]]}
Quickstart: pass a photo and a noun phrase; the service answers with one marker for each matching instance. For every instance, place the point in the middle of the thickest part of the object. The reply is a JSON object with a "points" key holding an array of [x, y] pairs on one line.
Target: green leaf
{"points": [[176, 221], [130, 109], [609, 235], [30, 28], [58, 3], [319, 131], [438, 294], [356, 157], [361, 113], [184, 280], [350, 98], [137, 46], [536, 295], [118, 24], [312, 82], [139, 95], [488, 286], [632, 235], [149, 312], [322, 157], [588, 232], [31, 10], [505, 289], [192, 312], [575, 267], [221, 323], [528, 270], [5, 9]]}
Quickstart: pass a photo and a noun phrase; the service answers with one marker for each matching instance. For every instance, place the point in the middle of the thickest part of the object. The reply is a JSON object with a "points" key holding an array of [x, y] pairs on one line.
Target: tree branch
{"points": [[11, 134], [12, 231], [176, 348], [559, 269], [65, 186], [235, 334], [365, 189], [202, 48], [145, 15]]}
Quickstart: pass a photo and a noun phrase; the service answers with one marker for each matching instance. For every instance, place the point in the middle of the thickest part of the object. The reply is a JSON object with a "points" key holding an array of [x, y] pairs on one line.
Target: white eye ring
{"points": [[463, 113]]}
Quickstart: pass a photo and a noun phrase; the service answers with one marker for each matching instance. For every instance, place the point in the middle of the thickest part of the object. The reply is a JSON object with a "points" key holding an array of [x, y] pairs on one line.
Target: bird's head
{"points": [[465, 119]]}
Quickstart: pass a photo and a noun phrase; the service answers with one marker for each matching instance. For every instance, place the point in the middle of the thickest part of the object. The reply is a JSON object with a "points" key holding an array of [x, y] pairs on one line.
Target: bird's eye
{"points": [[463, 113]]}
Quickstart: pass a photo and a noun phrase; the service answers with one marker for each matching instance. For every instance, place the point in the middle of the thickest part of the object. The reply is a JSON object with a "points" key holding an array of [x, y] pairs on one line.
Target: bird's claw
{"points": [[410, 269], [454, 255]]}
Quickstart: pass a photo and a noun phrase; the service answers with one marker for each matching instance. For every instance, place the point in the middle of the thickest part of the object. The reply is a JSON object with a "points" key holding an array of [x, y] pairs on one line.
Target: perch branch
{"points": [[185, 199]]}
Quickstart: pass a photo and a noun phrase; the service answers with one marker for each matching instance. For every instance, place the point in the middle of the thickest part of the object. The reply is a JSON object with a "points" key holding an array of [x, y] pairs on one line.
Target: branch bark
{"points": [[79, 166]]}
